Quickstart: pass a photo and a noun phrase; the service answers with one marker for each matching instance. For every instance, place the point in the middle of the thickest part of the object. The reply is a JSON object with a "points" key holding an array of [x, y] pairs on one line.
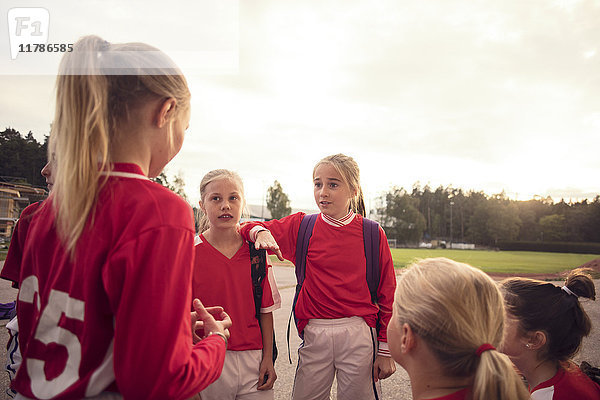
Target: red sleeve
{"points": [[284, 230], [12, 265], [149, 285], [387, 286]]}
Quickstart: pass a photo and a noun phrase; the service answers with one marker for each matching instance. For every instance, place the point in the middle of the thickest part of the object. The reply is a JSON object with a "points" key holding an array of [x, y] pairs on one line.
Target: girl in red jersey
{"points": [[448, 319], [10, 271], [334, 309], [545, 327], [222, 275], [105, 279]]}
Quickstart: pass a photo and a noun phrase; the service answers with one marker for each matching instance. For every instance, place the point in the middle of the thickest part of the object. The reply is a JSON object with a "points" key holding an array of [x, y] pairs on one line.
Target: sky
{"points": [[480, 95]]}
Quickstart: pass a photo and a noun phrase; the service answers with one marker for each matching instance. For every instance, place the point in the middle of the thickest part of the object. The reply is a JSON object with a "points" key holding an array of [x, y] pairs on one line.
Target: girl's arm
{"points": [[281, 235], [271, 301], [384, 365], [267, 375]]}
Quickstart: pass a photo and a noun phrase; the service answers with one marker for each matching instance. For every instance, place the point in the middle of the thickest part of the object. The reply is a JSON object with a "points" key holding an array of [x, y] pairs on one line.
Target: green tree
{"points": [[493, 220], [402, 219], [22, 158], [278, 202], [553, 227]]}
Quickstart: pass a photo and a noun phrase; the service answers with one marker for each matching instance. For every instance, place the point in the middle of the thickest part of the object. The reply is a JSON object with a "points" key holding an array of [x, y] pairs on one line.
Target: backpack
{"points": [[258, 271], [371, 243]]}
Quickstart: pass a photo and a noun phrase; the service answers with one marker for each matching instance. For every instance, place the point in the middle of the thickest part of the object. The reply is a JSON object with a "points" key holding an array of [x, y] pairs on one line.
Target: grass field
{"points": [[510, 262], [502, 262]]}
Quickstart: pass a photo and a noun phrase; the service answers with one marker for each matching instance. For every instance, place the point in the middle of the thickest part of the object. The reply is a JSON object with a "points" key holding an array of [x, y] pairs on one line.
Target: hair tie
{"points": [[484, 347], [566, 289]]}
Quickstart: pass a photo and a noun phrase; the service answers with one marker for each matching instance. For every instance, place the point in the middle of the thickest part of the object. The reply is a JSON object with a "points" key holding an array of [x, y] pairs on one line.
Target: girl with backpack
{"points": [[343, 324], [545, 327], [105, 278], [448, 321], [224, 275]]}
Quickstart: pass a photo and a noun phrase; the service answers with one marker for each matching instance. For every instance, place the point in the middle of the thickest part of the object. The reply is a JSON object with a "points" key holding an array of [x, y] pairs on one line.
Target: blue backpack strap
{"points": [[304, 233], [371, 241]]}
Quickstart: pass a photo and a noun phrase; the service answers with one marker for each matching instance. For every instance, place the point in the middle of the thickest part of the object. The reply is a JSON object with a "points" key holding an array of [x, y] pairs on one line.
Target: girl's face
{"points": [[332, 193], [223, 203], [47, 173], [514, 344]]}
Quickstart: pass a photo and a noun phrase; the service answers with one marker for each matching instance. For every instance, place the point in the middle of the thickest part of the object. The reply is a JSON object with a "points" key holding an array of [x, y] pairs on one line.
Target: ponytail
{"points": [[80, 140], [90, 103], [456, 309], [495, 378], [348, 169]]}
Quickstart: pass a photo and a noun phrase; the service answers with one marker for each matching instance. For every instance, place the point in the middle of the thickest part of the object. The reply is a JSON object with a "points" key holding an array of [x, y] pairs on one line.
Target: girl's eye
{"points": [[318, 184], [233, 198], [333, 185], [216, 198]]}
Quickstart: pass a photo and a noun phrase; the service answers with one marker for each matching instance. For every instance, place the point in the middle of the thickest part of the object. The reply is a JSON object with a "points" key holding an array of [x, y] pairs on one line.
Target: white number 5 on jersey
{"points": [[48, 332]]}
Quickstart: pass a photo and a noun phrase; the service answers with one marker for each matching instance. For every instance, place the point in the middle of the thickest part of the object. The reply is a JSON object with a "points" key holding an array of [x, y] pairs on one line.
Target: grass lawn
{"points": [[506, 262], [512, 262]]}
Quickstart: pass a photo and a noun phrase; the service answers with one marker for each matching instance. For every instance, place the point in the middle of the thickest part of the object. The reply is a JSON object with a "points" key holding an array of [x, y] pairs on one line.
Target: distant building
{"points": [[14, 197]]}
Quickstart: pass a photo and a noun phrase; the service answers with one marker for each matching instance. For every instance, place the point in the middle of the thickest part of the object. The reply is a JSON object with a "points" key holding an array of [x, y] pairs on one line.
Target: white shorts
{"points": [[342, 347], [239, 379]]}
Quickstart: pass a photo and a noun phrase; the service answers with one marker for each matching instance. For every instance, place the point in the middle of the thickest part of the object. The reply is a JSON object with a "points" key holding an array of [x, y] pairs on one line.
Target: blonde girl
{"points": [[343, 329], [448, 322], [107, 264], [545, 326], [222, 276]]}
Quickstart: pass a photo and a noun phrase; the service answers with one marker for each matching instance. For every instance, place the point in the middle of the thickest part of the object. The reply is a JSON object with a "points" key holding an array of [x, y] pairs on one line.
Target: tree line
{"points": [[452, 214], [422, 213], [22, 157]]}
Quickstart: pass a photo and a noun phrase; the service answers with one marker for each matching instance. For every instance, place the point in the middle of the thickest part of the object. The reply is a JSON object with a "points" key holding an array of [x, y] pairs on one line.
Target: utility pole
{"points": [[451, 204]]}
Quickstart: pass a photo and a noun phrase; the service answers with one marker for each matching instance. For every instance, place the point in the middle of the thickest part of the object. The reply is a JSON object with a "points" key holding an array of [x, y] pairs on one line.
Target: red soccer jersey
{"points": [[335, 284], [460, 395], [567, 384], [220, 281], [116, 316], [12, 264]]}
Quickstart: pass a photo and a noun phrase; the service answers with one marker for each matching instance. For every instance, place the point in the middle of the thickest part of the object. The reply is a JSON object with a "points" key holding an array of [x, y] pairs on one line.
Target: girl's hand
{"points": [[207, 320], [264, 240], [383, 367], [267, 375]]}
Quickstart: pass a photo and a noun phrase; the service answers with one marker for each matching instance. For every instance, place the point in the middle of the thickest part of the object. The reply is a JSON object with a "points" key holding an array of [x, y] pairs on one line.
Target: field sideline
{"points": [[494, 262], [505, 262]]}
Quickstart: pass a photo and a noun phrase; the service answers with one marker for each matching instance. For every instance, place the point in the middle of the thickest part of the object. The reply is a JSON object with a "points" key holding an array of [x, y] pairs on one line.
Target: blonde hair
{"points": [[91, 101], [456, 308], [348, 169], [215, 175]]}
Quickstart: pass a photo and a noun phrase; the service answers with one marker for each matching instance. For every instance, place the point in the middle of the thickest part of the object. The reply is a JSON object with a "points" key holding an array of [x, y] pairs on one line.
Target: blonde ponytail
{"points": [[91, 101], [455, 309], [80, 139]]}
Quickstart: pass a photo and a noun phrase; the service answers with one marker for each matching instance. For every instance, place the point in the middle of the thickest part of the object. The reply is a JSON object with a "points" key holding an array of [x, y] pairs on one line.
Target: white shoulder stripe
{"points": [[126, 175], [546, 393], [197, 240]]}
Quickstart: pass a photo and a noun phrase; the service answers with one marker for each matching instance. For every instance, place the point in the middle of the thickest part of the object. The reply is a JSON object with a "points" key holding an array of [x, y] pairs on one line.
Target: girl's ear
{"points": [[165, 112], [201, 204], [408, 340], [535, 340]]}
